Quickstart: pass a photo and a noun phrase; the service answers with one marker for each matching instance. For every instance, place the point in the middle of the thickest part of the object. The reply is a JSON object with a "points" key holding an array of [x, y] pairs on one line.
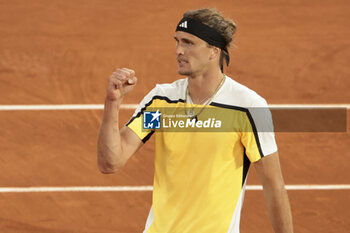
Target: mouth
{"points": [[181, 62]]}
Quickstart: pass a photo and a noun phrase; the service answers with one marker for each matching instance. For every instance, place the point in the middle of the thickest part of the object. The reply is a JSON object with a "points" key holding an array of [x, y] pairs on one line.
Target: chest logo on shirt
{"points": [[151, 120]]}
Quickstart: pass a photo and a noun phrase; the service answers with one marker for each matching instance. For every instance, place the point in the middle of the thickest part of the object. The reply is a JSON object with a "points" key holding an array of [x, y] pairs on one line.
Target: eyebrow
{"points": [[184, 40]]}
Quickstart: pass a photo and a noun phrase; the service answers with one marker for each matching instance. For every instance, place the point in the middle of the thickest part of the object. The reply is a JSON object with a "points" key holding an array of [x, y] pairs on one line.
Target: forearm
{"points": [[279, 209], [109, 140]]}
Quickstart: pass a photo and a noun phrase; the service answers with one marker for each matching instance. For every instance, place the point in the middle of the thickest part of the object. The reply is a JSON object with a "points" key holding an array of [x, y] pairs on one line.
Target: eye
{"points": [[188, 42]]}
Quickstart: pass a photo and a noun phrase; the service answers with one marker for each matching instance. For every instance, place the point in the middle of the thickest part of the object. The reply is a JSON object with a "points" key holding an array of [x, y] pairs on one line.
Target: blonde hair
{"points": [[214, 19]]}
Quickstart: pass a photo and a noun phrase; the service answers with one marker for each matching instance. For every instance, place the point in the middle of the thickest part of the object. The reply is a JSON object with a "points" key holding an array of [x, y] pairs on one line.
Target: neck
{"points": [[204, 85]]}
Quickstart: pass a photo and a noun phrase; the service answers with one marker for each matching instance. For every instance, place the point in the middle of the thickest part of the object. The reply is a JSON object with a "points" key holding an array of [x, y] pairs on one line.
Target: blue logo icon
{"points": [[151, 120]]}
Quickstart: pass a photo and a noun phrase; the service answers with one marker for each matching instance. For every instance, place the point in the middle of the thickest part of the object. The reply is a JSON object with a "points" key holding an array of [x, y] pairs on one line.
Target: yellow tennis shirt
{"points": [[200, 172]]}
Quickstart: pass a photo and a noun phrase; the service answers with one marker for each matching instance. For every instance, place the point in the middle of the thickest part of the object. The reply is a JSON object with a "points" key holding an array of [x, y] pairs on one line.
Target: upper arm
{"points": [[257, 131], [269, 171], [130, 142], [133, 135]]}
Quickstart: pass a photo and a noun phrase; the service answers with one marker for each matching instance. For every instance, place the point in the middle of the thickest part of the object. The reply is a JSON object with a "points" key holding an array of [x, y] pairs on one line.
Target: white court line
{"points": [[76, 189], [134, 106], [347, 106], [150, 188], [306, 187], [60, 107]]}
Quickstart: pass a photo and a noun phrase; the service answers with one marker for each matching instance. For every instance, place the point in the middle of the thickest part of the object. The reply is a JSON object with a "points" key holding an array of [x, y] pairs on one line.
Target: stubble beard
{"points": [[185, 72]]}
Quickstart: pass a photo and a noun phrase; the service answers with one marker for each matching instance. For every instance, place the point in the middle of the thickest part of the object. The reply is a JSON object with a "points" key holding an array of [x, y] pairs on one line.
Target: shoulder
{"points": [[173, 91], [170, 92], [239, 95]]}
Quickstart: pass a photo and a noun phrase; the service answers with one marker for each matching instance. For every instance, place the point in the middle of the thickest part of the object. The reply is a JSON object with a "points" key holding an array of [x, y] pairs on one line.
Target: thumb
{"points": [[132, 80]]}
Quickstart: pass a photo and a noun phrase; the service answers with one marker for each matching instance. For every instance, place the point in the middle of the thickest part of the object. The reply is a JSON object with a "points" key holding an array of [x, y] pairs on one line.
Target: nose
{"points": [[179, 50]]}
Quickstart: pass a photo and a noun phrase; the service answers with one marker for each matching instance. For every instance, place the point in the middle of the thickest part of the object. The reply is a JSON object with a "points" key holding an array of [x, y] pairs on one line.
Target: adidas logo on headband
{"points": [[183, 25]]}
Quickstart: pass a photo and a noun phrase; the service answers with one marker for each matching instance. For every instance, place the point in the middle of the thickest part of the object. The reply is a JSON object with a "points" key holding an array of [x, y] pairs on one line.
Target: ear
{"points": [[215, 52]]}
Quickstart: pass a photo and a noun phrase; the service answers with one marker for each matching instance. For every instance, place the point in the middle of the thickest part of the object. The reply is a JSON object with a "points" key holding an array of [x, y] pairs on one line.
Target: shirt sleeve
{"points": [[258, 135], [136, 121]]}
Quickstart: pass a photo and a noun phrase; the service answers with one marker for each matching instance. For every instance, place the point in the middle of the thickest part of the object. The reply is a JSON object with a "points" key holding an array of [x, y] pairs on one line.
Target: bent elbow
{"points": [[109, 163], [104, 170], [108, 167]]}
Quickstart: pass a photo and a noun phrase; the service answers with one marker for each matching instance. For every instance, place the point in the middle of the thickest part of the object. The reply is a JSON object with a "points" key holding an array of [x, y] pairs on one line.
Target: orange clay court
{"points": [[62, 52]]}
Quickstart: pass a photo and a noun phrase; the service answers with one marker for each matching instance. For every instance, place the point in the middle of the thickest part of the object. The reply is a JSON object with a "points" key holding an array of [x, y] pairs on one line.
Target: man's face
{"points": [[192, 54]]}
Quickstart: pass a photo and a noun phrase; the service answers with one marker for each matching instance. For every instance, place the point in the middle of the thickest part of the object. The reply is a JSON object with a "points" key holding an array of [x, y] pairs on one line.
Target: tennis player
{"points": [[200, 176]]}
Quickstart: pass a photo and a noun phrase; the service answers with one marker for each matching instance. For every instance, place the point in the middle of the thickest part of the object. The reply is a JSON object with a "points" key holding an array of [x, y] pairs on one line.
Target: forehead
{"points": [[185, 35]]}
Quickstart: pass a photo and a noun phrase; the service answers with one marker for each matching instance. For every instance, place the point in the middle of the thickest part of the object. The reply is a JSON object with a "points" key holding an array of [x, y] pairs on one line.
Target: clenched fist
{"points": [[121, 82]]}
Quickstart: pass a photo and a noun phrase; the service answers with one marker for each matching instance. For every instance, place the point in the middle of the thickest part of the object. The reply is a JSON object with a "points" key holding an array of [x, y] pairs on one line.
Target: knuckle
{"points": [[129, 72]]}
